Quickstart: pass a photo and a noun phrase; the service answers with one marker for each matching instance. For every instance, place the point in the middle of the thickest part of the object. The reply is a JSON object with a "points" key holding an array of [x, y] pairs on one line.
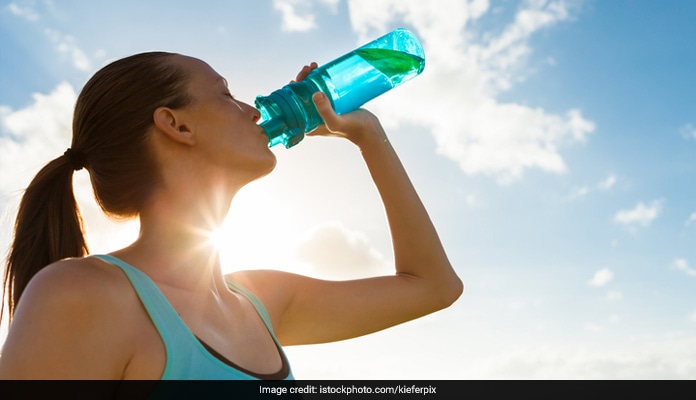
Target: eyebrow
{"points": [[223, 81]]}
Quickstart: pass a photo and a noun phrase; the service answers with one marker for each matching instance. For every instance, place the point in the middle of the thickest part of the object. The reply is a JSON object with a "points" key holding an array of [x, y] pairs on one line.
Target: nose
{"points": [[256, 115], [253, 113]]}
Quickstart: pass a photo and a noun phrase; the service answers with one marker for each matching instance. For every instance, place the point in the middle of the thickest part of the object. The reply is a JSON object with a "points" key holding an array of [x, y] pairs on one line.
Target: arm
{"points": [[308, 310]]}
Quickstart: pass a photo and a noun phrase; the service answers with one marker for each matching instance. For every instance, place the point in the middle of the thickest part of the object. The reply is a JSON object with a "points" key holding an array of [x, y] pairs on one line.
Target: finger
{"points": [[305, 71], [302, 74]]}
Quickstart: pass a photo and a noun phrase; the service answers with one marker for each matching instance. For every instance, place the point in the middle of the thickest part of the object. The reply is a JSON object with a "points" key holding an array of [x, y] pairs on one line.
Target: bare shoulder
{"points": [[256, 280], [272, 287], [82, 284], [260, 282], [90, 275], [84, 303], [269, 285]]}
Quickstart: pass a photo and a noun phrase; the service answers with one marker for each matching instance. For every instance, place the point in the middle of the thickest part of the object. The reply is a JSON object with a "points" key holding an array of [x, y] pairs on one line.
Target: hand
{"points": [[357, 126], [354, 126]]}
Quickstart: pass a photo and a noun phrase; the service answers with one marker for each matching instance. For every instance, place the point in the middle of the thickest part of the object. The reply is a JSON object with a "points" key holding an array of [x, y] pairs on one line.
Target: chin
{"points": [[269, 165]]}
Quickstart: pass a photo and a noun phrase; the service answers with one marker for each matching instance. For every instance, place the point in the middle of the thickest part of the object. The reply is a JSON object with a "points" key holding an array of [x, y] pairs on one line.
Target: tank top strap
{"points": [[255, 301], [170, 326]]}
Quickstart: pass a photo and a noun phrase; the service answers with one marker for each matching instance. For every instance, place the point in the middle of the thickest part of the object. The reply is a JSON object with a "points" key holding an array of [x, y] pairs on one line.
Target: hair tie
{"points": [[76, 159]]}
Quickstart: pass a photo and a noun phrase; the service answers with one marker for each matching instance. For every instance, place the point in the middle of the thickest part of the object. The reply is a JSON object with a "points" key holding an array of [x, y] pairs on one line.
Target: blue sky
{"points": [[552, 141]]}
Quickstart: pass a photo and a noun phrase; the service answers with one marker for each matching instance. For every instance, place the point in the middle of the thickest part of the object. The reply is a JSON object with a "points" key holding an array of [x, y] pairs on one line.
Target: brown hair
{"points": [[112, 117]]}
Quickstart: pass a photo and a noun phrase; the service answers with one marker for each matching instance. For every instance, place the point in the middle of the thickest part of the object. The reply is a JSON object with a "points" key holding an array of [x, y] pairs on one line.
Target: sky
{"points": [[552, 141]]}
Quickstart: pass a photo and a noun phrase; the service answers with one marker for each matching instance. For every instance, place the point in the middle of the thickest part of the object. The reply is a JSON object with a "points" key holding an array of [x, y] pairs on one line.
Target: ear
{"points": [[172, 123]]}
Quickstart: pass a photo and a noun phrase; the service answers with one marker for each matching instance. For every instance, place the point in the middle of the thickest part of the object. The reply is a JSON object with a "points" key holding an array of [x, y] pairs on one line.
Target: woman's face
{"points": [[225, 129]]}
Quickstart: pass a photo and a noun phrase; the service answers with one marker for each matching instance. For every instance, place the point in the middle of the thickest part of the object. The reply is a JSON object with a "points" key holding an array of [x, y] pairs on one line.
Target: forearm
{"points": [[418, 251]]}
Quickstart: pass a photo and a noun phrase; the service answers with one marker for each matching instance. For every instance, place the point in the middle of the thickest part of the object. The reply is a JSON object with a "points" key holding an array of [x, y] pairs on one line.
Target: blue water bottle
{"points": [[349, 82]]}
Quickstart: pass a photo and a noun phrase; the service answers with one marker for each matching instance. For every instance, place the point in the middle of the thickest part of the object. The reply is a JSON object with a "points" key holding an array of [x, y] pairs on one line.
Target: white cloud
{"points": [[464, 74], [683, 265], [507, 50], [688, 131], [24, 11], [641, 214], [100, 54], [298, 15], [30, 138], [691, 219], [601, 278], [339, 252], [614, 295], [34, 135], [608, 183], [581, 191], [692, 317], [657, 359], [604, 185], [65, 44], [292, 22], [332, 5]]}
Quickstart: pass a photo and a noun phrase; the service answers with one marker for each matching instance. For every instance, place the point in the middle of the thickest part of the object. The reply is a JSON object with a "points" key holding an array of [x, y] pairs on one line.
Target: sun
{"points": [[219, 236], [256, 234]]}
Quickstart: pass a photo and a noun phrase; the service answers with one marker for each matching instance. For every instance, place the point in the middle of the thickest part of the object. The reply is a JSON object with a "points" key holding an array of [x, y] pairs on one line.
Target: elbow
{"points": [[448, 291], [452, 291], [446, 287], [437, 291]]}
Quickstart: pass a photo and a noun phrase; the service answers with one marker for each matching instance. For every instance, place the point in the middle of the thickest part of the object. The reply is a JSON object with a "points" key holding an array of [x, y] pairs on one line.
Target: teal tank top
{"points": [[187, 357]]}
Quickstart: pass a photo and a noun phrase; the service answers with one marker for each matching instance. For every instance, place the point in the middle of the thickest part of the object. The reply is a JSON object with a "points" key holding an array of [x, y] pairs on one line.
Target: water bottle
{"points": [[349, 82]]}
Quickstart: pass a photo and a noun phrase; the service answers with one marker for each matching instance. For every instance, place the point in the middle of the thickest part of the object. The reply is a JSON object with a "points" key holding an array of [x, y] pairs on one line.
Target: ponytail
{"points": [[111, 124], [48, 227]]}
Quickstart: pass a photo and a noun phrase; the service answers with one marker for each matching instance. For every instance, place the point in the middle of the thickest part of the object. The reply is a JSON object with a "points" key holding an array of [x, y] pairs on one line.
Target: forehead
{"points": [[198, 70]]}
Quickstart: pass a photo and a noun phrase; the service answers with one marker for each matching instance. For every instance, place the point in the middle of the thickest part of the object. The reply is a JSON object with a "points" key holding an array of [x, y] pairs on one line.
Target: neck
{"points": [[174, 246]]}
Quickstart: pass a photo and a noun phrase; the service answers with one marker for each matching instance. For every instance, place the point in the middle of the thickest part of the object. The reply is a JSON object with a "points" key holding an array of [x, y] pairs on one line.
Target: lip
{"points": [[263, 133]]}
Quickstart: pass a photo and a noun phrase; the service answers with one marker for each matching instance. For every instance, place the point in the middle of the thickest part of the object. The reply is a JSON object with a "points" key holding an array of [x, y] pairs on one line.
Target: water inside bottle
{"points": [[365, 74]]}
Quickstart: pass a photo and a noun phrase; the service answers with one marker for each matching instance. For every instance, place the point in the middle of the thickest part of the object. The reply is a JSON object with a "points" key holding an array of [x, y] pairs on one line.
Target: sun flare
{"points": [[255, 235], [218, 237]]}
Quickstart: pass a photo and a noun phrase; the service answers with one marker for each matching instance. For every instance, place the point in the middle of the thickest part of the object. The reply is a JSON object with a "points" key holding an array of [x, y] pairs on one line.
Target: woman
{"points": [[164, 141]]}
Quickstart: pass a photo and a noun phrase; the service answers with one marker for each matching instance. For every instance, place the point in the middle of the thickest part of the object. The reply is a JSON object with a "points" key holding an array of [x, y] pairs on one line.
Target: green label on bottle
{"points": [[397, 66]]}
